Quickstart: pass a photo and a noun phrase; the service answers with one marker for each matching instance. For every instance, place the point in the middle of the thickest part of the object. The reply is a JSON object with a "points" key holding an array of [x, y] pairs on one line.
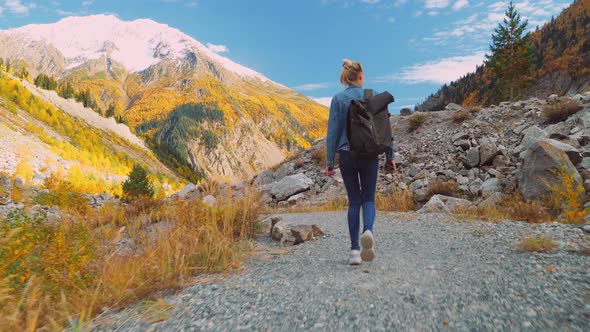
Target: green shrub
{"points": [[138, 184]]}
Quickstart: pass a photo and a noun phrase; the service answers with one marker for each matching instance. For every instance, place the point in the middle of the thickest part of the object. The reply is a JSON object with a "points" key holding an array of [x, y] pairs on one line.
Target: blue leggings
{"points": [[360, 179]]}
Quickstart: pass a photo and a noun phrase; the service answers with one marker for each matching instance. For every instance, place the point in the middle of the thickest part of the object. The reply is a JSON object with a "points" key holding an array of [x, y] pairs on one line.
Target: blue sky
{"points": [[409, 48]]}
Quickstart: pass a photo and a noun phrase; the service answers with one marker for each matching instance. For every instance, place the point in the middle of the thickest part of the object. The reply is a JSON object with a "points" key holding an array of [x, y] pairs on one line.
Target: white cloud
{"points": [[370, 1], [66, 12], [439, 71], [479, 27], [1, 10], [399, 3], [17, 7], [217, 48], [498, 6], [312, 86], [326, 101], [432, 13], [436, 3], [87, 2], [460, 4]]}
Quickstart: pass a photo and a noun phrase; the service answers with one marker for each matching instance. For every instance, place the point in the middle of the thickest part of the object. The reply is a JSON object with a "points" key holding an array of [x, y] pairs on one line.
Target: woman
{"points": [[360, 176]]}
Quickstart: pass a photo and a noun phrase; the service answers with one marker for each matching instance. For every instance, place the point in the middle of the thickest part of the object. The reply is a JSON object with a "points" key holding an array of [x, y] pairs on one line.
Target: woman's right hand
{"points": [[329, 171]]}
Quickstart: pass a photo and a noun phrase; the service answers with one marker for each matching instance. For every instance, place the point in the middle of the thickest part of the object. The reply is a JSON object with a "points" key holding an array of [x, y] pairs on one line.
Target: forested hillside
{"points": [[202, 114], [560, 64]]}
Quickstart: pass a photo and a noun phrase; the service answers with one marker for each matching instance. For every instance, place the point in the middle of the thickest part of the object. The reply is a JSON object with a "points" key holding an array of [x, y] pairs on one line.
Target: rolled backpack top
{"points": [[367, 126]]}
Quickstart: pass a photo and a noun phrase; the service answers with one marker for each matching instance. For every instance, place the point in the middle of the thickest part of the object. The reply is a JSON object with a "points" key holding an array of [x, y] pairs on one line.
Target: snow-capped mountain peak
{"points": [[136, 44]]}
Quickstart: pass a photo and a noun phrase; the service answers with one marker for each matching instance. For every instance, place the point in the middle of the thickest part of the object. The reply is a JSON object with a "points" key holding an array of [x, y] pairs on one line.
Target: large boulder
{"points": [[487, 151], [537, 174], [286, 169], [454, 107], [290, 185], [405, 112], [266, 177], [490, 186], [531, 136], [187, 189], [471, 159], [572, 153]]}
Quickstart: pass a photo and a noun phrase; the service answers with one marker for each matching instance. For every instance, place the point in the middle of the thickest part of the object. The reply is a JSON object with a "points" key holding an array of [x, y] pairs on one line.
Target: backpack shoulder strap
{"points": [[368, 93]]}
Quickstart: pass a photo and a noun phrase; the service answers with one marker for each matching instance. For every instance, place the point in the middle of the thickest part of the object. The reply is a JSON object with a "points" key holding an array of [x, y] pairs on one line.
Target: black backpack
{"points": [[367, 126]]}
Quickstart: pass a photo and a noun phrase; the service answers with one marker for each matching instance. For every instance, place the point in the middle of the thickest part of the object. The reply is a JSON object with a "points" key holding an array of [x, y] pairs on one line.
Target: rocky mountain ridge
{"points": [[240, 121]]}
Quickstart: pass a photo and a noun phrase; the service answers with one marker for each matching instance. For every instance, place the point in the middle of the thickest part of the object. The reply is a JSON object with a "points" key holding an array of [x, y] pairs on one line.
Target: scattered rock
{"points": [[441, 203], [317, 231], [296, 199], [490, 186], [290, 185], [475, 187], [279, 230], [471, 159], [209, 200], [302, 233], [487, 151], [492, 200]]}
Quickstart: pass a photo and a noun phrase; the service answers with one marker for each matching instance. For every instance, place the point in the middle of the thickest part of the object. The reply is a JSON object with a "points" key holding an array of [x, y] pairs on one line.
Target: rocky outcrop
{"points": [[538, 175], [492, 153]]}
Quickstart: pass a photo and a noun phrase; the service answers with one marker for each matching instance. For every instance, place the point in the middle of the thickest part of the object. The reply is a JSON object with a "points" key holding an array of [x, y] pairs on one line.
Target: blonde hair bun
{"points": [[350, 71]]}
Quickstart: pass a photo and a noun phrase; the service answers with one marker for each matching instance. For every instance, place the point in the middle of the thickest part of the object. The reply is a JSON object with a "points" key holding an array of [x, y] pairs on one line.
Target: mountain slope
{"points": [[151, 73], [41, 133], [562, 52]]}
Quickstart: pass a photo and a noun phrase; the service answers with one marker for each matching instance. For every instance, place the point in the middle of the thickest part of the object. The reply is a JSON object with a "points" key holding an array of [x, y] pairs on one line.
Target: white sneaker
{"points": [[367, 251], [355, 257]]}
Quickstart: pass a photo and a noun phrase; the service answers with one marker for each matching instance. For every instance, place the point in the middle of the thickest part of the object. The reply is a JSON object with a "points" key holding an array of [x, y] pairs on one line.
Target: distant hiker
{"points": [[359, 169]]}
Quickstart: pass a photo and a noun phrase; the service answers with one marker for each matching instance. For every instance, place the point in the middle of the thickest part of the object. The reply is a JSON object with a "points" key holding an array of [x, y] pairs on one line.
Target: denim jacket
{"points": [[336, 137]]}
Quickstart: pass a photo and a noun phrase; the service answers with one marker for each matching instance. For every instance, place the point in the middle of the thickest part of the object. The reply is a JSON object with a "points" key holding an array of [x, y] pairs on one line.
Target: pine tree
{"points": [[138, 184], [67, 91], [110, 111], [511, 57]]}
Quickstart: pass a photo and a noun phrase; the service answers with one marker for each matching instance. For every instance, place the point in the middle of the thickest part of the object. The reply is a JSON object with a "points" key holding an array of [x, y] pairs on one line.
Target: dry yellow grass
{"points": [[447, 188], [52, 275], [473, 109], [511, 207], [319, 156], [553, 113], [536, 243], [461, 115], [416, 121], [399, 200]]}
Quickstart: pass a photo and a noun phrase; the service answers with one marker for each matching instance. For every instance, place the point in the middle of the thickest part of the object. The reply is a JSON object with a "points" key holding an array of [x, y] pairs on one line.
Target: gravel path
{"points": [[430, 274]]}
